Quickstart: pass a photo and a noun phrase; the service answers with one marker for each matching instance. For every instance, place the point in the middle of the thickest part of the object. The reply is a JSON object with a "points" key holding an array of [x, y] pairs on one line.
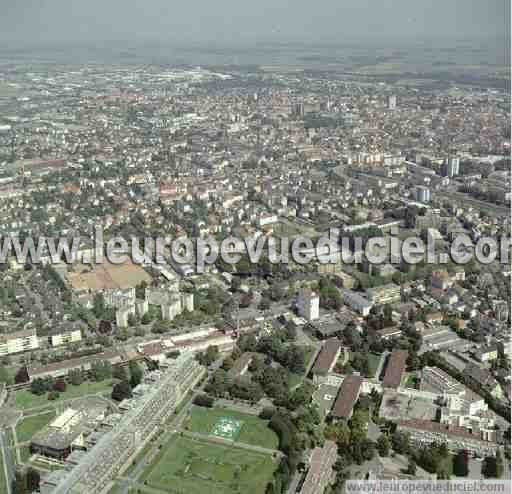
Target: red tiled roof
{"points": [[347, 397], [395, 369], [326, 357]]}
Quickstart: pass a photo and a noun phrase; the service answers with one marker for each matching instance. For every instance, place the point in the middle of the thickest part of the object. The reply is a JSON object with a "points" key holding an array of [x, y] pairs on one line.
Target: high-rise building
{"points": [[451, 167], [308, 304], [392, 102], [422, 194]]}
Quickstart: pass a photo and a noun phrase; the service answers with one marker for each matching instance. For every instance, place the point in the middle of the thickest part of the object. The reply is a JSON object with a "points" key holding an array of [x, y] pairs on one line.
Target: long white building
{"points": [[115, 450], [20, 341]]}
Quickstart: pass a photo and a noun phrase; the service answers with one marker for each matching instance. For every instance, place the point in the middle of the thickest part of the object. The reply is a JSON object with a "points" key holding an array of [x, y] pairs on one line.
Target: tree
{"points": [[499, 464], [33, 480], [400, 442], [140, 290], [411, 467], [119, 373], [460, 464], [132, 320], [160, 326], [247, 343], [38, 387], [493, 466], [76, 377], [383, 445], [267, 413], [146, 318], [358, 423], [264, 303], [101, 370], [136, 374], [209, 356], [442, 473], [104, 340], [122, 391], [139, 332], [4, 375], [228, 363], [294, 359], [219, 383], [352, 337], [204, 400], [235, 284], [19, 484], [99, 307], [60, 385], [301, 396], [338, 432], [368, 449], [22, 376], [53, 395]]}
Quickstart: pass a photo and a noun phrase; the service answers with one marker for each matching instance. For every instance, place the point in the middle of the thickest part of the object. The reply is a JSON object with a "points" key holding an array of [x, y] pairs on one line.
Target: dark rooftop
{"points": [[395, 369]]}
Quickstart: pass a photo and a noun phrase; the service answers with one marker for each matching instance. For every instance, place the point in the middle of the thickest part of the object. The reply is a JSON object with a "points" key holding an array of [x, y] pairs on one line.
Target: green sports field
{"points": [[232, 425], [187, 466]]}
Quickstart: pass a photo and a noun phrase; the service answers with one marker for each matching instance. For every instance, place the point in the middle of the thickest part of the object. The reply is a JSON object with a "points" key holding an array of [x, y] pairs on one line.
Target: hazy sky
{"points": [[29, 21]]}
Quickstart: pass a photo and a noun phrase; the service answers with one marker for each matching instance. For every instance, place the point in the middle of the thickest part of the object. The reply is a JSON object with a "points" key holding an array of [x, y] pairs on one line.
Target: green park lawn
{"points": [[30, 425], [373, 360], [253, 430], [187, 466], [412, 381], [25, 399]]}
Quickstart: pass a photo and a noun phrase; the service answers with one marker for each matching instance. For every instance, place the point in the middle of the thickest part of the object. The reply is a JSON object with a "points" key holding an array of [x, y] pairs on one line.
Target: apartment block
{"points": [[20, 341]]}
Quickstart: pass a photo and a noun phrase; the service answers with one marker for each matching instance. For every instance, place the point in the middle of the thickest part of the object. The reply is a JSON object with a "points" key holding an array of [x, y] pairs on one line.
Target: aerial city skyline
{"points": [[255, 246]]}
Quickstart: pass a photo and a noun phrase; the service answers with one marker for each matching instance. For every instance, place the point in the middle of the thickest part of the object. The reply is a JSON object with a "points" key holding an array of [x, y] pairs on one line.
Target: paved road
{"points": [[373, 432], [378, 372], [239, 406], [227, 442], [294, 483], [8, 461], [453, 196], [146, 488]]}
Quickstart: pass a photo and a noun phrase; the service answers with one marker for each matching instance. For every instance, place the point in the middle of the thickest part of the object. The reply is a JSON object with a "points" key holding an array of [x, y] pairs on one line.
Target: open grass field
{"points": [[190, 466], [232, 425], [373, 360], [30, 425], [25, 399]]}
